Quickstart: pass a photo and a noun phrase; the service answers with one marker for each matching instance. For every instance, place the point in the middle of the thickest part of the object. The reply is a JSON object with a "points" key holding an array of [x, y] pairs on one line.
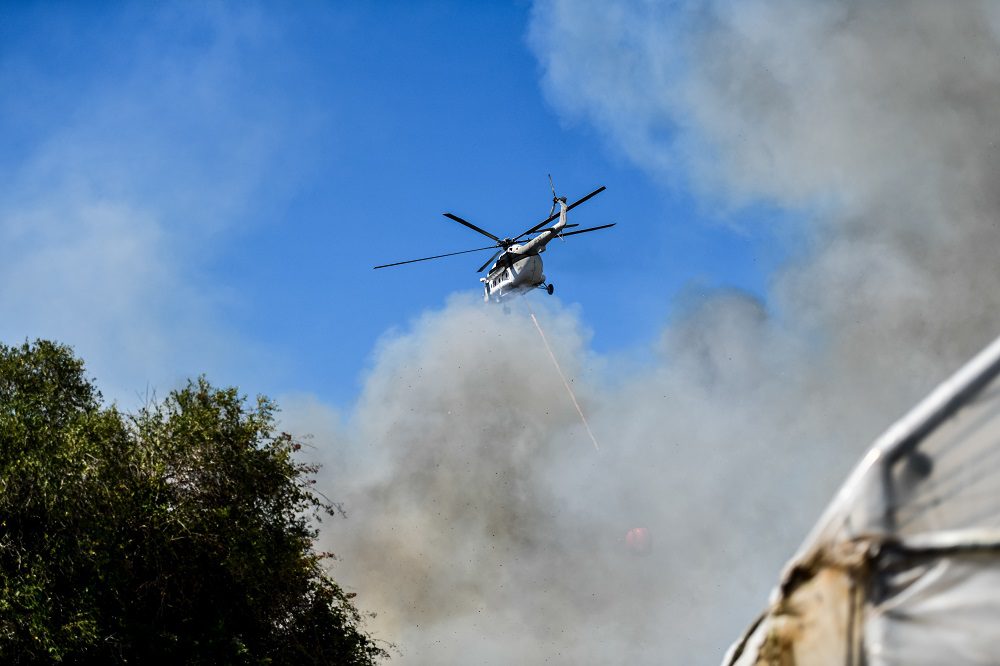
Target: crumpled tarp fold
{"points": [[904, 565]]}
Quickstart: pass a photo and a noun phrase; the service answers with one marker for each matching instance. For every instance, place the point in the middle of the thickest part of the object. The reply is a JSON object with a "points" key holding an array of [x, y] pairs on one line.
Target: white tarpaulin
{"points": [[904, 565]]}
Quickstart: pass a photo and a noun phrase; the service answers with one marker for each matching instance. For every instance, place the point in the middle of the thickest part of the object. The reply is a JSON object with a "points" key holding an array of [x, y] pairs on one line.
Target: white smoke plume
{"points": [[484, 528]]}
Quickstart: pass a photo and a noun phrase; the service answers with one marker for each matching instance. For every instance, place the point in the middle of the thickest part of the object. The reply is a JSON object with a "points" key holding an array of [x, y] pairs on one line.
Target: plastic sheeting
{"points": [[904, 565]]}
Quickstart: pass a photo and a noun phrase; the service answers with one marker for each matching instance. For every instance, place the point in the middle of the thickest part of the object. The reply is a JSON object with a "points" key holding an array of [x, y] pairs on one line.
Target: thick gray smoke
{"points": [[485, 529]]}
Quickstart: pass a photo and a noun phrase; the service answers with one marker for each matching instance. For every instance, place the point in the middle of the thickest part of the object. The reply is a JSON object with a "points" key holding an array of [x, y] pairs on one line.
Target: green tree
{"points": [[182, 534]]}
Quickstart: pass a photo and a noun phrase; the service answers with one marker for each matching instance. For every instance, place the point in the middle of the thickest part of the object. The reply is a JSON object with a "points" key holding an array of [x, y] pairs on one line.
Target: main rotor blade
{"points": [[583, 231], [538, 226], [568, 226], [589, 196], [490, 260], [568, 208], [450, 254], [470, 225]]}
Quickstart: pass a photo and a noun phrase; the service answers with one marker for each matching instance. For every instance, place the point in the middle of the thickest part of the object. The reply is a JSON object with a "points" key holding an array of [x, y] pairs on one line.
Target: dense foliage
{"points": [[180, 534]]}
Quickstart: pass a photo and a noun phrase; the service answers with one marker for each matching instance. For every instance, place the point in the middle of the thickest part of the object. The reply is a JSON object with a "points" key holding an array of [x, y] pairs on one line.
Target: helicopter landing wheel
{"points": [[550, 288]]}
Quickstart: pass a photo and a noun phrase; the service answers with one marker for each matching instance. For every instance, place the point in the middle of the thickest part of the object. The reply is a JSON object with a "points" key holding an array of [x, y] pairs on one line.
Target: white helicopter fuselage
{"points": [[519, 268], [512, 274]]}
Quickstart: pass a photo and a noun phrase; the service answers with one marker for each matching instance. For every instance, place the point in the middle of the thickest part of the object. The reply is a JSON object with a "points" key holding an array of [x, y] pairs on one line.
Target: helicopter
{"points": [[516, 265]]}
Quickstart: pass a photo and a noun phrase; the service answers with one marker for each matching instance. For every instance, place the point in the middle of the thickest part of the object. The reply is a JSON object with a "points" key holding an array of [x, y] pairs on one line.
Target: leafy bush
{"points": [[179, 534]]}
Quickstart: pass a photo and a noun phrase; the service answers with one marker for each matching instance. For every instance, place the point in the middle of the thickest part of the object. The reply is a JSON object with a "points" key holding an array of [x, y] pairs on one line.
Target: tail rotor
{"points": [[555, 197]]}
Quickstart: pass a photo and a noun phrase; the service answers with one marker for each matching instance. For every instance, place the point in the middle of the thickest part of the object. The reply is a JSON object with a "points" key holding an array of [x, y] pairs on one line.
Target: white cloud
{"points": [[111, 214]]}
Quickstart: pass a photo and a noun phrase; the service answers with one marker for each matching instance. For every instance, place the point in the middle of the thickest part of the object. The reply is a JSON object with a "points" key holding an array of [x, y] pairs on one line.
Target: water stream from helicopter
{"points": [[569, 389]]}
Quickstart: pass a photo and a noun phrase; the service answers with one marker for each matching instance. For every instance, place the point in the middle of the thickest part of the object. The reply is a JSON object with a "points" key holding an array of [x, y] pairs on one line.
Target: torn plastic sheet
{"points": [[904, 565]]}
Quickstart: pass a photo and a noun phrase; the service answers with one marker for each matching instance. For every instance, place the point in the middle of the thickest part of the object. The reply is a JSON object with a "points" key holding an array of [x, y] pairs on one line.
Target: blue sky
{"points": [[206, 189]]}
